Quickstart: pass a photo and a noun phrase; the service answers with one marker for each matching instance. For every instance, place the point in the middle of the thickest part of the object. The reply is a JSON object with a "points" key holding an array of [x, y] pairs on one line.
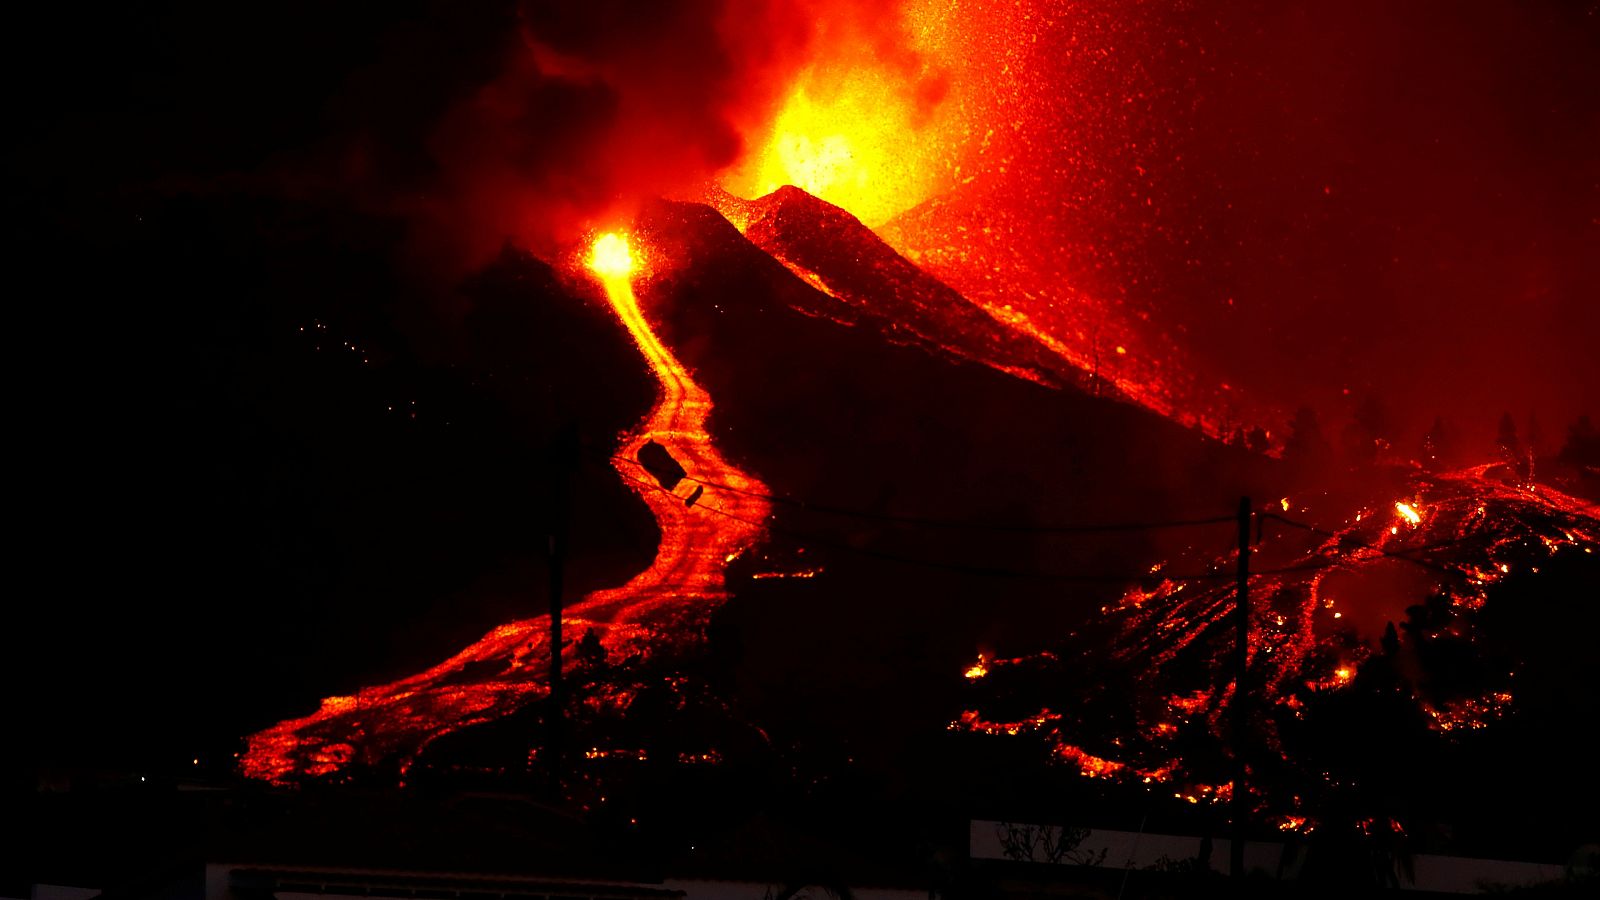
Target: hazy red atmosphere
{"points": [[1266, 206]]}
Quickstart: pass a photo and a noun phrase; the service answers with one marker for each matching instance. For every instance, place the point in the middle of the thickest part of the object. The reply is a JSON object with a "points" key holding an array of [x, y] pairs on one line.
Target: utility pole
{"points": [[565, 460], [1241, 666], [554, 723]]}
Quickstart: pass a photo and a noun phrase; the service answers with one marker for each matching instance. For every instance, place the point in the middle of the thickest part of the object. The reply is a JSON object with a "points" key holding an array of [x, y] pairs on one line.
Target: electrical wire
{"points": [[951, 524], [1367, 546], [1001, 572]]}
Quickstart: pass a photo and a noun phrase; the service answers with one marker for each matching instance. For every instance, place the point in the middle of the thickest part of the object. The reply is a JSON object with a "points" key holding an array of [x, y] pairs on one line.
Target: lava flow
{"points": [[1322, 606], [699, 534], [717, 517]]}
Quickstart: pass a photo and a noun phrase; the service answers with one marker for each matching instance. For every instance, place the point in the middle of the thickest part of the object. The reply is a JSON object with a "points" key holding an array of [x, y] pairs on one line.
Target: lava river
{"points": [[706, 520]]}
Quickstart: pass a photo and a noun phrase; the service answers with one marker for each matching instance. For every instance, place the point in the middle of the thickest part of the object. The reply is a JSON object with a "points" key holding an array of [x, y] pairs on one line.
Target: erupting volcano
{"points": [[900, 415], [999, 304]]}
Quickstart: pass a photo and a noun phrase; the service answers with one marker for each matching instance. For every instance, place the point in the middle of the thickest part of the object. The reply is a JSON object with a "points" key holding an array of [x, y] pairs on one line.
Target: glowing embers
{"points": [[971, 720], [1471, 713], [1296, 824], [798, 573], [1408, 512]]}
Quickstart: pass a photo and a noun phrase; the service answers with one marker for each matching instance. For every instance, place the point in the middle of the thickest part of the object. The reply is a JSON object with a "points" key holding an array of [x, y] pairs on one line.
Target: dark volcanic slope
{"points": [[907, 486], [267, 465], [1021, 267], [869, 282], [947, 471]]}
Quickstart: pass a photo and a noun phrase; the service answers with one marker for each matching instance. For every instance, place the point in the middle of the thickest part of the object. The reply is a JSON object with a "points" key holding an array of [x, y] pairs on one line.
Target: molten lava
{"points": [[1408, 512], [871, 123], [612, 259], [699, 538], [506, 669], [845, 144]]}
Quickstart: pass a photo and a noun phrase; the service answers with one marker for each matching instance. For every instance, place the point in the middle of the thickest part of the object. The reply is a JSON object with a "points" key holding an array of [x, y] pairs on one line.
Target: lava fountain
{"points": [[707, 517]]}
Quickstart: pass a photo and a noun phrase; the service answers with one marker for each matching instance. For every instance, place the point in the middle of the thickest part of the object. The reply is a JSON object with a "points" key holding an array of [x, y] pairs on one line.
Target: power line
{"points": [[1367, 546], [824, 541], [1001, 572], [951, 524]]}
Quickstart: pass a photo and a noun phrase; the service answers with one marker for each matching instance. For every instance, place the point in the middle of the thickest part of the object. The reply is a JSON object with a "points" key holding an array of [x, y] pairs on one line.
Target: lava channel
{"points": [[708, 519]]}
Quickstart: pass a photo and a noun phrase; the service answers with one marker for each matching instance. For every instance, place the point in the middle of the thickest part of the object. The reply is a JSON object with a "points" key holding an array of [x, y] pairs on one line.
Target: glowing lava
{"points": [[846, 144], [1408, 512], [699, 536], [505, 670], [611, 258]]}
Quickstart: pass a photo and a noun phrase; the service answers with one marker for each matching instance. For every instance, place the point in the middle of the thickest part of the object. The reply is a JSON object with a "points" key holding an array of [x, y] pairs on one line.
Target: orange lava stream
{"points": [[507, 668], [697, 540]]}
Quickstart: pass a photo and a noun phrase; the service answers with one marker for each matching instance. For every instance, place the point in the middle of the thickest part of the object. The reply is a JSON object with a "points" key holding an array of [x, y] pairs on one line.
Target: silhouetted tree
{"points": [[1306, 447], [589, 655], [1534, 446], [1512, 452], [1535, 441], [592, 671], [1391, 640], [1506, 440]]}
